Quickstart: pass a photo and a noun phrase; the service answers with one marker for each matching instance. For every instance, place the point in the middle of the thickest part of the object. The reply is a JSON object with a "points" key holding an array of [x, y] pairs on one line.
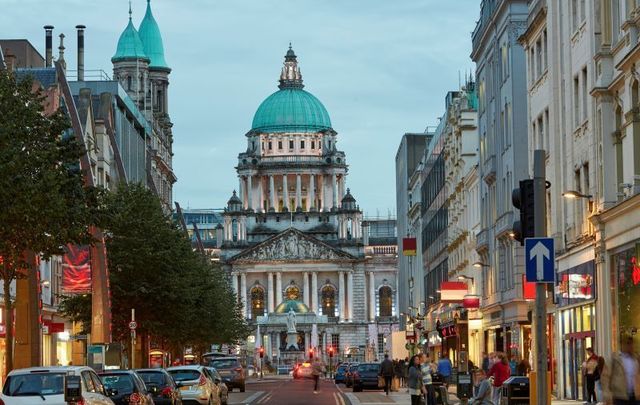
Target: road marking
{"points": [[264, 399], [339, 399], [249, 399]]}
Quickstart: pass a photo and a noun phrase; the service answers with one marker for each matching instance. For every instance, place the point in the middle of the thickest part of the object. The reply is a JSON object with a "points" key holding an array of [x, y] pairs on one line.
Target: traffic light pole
{"points": [[540, 336]]}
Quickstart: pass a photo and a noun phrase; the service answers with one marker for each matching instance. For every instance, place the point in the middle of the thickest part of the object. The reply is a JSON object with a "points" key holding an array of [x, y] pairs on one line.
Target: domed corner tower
{"points": [[291, 163]]}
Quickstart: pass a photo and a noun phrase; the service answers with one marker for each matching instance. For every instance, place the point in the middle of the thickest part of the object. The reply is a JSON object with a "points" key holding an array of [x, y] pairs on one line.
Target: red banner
{"points": [[409, 246], [453, 291], [76, 270], [528, 289]]}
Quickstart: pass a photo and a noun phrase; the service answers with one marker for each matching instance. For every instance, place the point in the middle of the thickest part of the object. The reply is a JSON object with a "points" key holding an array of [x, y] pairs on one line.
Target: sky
{"points": [[381, 68]]}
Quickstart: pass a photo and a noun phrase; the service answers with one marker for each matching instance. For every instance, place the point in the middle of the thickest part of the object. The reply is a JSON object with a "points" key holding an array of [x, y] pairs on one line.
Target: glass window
{"points": [[328, 300], [301, 144], [123, 383], [35, 384], [385, 301], [88, 382], [257, 302], [279, 144], [290, 144]]}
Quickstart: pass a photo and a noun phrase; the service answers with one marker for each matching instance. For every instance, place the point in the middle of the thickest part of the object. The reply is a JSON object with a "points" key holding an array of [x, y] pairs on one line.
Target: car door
{"points": [[141, 387], [91, 395], [101, 394], [213, 387]]}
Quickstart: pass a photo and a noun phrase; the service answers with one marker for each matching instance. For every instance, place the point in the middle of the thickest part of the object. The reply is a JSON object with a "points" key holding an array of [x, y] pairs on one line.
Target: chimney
{"points": [[80, 29], [61, 53], [48, 45]]}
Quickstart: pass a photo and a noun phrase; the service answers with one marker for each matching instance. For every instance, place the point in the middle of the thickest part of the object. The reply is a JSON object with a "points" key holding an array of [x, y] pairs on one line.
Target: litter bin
{"points": [[464, 386], [515, 391]]}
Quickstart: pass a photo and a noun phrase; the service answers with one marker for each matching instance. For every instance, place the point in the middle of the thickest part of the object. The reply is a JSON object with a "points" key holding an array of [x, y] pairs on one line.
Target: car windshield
{"points": [[185, 375], [123, 383], [364, 368], [153, 377], [224, 363], [35, 384]]}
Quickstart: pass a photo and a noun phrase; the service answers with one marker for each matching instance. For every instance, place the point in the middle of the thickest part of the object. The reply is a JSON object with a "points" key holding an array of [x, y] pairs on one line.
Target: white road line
{"points": [[341, 399], [264, 399], [249, 399]]}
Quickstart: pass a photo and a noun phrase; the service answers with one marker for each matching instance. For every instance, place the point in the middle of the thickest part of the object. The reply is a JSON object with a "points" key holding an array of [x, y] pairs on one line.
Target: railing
{"points": [[504, 223], [482, 240], [489, 169], [381, 250], [89, 75]]}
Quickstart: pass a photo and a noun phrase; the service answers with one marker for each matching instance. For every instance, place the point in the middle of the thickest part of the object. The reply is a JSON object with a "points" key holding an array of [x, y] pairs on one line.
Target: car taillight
{"points": [[166, 392], [135, 398], [80, 402], [203, 380]]}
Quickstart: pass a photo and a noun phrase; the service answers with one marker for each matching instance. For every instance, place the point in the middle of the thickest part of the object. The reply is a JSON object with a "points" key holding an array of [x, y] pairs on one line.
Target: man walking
{"points": [[590, 371], [386, 371], [445, 368], [621, 378], [316, 369]]}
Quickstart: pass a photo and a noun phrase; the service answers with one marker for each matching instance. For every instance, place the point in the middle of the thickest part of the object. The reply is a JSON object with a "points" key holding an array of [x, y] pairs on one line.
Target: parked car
{"points": [[126, 387], [195, 385], [302, 370], [340, 374], [251, 371], [348, 376], [365, 376], [161, 385], [231, 370], [45, 385], [223, 390]]}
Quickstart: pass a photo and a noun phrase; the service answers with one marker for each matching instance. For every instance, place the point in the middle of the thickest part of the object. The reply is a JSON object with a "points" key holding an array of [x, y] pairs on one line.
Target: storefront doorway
{"points": [[574, 352]]}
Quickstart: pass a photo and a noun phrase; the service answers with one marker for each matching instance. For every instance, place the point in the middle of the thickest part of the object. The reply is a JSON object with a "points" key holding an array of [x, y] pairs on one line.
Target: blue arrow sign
{"points": [[539, 260]]}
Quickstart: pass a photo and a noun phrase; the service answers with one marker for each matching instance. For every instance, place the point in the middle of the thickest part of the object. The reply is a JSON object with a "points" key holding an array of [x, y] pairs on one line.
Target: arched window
{"points": [[385, 301], [292, 293], [328, 300], [129, 83], [257, 302]]}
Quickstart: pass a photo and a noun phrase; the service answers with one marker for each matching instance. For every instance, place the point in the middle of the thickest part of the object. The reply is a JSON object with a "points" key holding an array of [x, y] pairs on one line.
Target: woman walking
{"points": [[414, 380], [500, 372]]}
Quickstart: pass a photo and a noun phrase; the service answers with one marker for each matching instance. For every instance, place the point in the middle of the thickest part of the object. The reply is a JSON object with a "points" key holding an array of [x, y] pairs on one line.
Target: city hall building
{"points": [[294, 239]]}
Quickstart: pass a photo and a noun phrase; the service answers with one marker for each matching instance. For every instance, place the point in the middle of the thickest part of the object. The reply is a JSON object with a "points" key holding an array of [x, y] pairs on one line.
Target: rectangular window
{"points": [[301, 144], [270, 145], [541, 130], [545, 47], [335, 340], [576, 101], [290, 144], [585, 93], [381, 343], [574, 15], [578, 207], [546, 144], [539, 68], [313, 144], [280, 145]]}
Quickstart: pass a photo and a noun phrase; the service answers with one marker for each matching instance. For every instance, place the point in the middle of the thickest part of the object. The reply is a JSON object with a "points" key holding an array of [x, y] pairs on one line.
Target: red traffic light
{"points": [[331, 352], [261, 351]]}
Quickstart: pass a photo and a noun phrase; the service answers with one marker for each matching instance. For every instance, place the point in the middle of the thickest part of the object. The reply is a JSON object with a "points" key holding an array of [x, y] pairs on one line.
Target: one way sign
{"points": [[540, 260]]}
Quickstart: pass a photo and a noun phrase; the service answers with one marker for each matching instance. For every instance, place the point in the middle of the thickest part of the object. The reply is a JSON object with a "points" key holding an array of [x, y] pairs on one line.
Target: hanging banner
{"points": [[453, 291], [409, 246], [76, 270]]}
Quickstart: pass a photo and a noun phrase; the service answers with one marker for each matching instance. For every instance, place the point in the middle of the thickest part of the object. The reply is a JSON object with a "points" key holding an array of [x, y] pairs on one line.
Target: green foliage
{"points": [[77, 308], [178, 296]]}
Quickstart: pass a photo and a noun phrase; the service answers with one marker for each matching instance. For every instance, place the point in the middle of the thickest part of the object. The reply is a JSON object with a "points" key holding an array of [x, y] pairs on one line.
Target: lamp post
{"points": [[479, 265]]}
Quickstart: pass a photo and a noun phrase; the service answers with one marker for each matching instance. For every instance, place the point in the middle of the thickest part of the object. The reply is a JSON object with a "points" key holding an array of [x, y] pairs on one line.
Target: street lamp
{"points": [[571, 194], [479, 265], [463, 277]]}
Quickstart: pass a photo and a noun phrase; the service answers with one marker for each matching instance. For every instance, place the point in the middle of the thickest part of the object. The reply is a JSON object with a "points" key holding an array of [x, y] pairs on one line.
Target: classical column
{"points": [[305, 288], [298, 192], [321, 186], [234, 282], [261, 194], [241, 192], [350, 294], [249, 192], [341, 295], [270, 295], [334, 185], [314, 292], [269, 345], [372, 297], [341, 191], [278, 295], [311, 203], [285, 193], [243, 292], [272, 193]]}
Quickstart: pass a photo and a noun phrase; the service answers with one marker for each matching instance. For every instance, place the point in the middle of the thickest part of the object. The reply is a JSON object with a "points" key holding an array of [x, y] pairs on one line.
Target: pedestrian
{"points": [[386, 372], [513, 364], [600, 369], [428, 369], [590, 372], [414, 380], [500, 371], [400, 373], [483, 389], [524, 368], [445, 369], [621, 378], [316, 369], [485, 362]]}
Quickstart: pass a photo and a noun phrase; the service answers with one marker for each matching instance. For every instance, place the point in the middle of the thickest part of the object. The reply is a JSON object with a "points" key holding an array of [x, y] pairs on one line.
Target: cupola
{"points": [[234, 204], [152, 40]]}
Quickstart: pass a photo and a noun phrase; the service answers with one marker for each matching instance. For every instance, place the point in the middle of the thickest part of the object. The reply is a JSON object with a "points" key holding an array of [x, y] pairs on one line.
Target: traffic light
{"points": [[311, 354], [524, 200], [261, 351], [331, 352]]}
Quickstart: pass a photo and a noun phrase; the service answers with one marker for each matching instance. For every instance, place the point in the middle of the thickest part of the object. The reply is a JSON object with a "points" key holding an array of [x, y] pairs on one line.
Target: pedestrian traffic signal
{"points": [[261, 351], [331, 352], [523, 199]]}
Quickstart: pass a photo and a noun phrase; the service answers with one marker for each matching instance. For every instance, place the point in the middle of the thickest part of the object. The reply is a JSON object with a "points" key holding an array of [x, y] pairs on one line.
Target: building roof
{"points": [[291, 109], [152, 40], [129, 45], [45, 76], [287, 305]]}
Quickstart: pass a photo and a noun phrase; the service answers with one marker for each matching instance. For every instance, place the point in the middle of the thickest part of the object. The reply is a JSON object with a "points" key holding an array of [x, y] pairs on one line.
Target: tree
{"points": [[45, 204]]}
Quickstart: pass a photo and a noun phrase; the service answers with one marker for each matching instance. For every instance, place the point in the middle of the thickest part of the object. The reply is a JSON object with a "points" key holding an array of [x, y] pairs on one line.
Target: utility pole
{"points": [[540, 229], [132, 327]]}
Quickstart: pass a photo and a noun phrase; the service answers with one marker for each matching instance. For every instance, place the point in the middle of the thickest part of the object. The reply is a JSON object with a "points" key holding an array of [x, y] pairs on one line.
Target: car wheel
{"points": [[242, 388]]}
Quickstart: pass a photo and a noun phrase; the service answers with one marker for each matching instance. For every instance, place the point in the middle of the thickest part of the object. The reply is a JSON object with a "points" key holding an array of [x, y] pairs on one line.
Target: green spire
{"points": [[129, 44], [152, 40]]}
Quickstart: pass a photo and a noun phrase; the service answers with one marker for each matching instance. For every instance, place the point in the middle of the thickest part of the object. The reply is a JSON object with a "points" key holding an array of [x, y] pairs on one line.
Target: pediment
{"points": [[291, 245]]}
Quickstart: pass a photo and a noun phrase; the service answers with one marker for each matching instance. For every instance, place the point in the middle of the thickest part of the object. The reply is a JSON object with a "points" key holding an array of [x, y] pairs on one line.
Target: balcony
{"points": [[489, 170], [504, 224], [482, 240]]}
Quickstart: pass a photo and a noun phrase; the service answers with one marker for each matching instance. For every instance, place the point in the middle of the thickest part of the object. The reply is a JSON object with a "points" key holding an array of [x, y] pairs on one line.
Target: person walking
{"points": [[483, 389], [428, 368], [445, 369], [621, 378], [485, 362], [414, 380], [400, 373], [317, 368], [386, 371], [500, 371], [590, 372]]}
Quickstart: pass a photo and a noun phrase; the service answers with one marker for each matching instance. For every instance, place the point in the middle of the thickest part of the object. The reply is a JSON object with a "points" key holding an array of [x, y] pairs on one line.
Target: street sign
{"points": [[133, 325], [539, 260]]}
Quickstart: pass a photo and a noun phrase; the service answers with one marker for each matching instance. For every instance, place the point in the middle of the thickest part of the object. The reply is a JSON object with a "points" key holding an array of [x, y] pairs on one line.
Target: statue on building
{"points": [[291, 322]]}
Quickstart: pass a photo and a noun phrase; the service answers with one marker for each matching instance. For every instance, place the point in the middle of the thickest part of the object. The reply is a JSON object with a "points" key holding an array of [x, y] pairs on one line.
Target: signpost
{"points": [[540, 260], [132, 326]]}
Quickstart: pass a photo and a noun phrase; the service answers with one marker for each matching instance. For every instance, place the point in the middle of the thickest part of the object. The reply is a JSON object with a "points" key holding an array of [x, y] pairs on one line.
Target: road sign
{"points": [[539, 260], [133, 325]]}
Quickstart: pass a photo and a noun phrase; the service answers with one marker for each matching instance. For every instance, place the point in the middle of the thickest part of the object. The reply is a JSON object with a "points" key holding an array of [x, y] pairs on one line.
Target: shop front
{"points": [[575, 297], [625, 283]]}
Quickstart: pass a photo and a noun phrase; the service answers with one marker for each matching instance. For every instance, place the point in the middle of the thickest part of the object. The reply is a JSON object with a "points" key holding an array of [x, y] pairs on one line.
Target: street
{"points": [[286, 391]]}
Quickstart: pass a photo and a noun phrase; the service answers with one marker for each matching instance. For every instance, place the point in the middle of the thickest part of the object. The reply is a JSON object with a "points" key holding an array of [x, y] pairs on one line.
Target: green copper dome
{"points": [[287, 305], [129, 45], [291, 110], [152, 40]]}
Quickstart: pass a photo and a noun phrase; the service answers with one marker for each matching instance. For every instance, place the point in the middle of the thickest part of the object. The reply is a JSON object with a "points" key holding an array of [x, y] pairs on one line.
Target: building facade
{"points": [[294, 239], [503, 161]]}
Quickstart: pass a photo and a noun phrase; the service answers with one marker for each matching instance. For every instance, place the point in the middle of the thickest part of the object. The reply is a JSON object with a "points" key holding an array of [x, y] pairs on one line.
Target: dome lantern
{"points": [[234, 204]]}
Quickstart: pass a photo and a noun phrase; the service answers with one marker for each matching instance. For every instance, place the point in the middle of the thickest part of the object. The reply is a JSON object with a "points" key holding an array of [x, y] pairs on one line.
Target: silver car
{"points": [[217, 379], [195, 384], [40, 385]]}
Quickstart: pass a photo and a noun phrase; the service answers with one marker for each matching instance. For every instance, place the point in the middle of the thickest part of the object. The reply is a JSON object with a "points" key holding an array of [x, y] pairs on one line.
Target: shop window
{"points": [[257, 302]]}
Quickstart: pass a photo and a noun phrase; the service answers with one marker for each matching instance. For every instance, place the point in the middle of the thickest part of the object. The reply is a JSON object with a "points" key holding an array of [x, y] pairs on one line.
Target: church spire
{"points": [[290, 76]]}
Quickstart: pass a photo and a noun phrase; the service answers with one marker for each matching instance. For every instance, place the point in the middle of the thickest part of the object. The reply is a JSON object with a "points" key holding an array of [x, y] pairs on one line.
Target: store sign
{"points": [[76, 270], [576, 284], [453, 291], [409, 246], [471, 301], [635, 273]]}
